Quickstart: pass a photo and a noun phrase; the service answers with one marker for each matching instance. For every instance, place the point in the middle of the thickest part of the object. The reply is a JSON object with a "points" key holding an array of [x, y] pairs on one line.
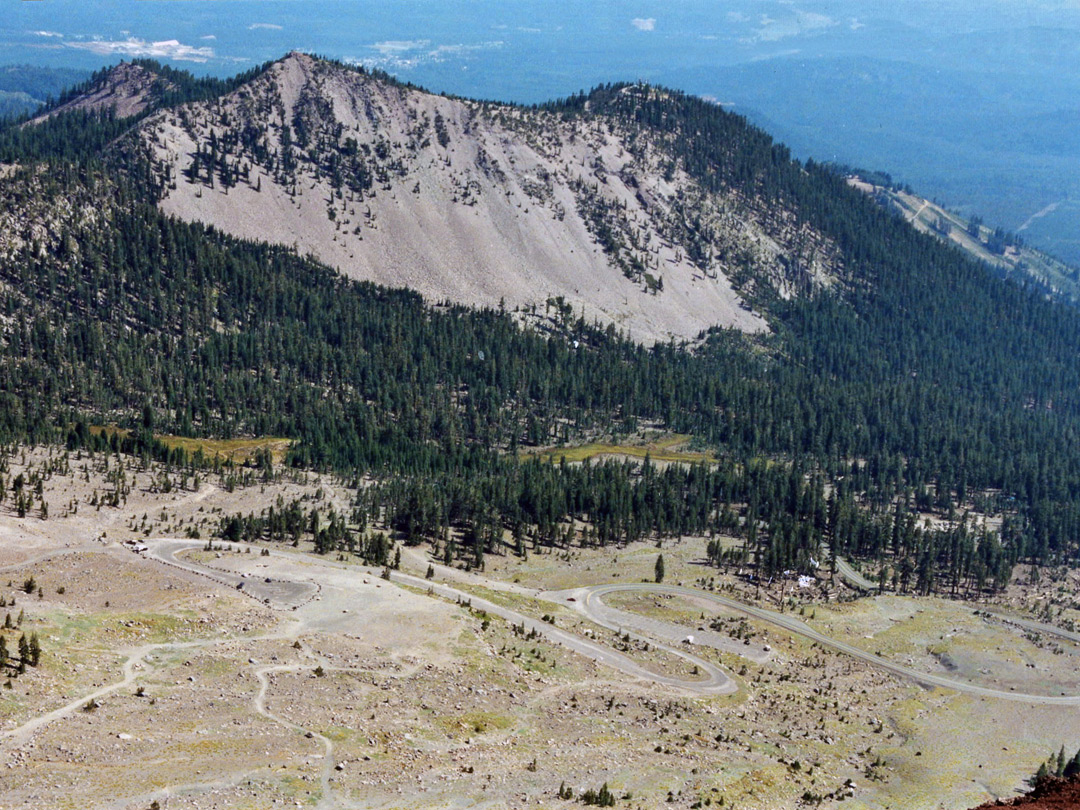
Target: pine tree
{"points": [[605, 797], [1072, 767], [659, 570], [1041, 774]]}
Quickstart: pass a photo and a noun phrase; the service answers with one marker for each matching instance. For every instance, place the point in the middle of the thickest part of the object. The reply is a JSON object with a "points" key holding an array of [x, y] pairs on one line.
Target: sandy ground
{"points": [[157, 683]]}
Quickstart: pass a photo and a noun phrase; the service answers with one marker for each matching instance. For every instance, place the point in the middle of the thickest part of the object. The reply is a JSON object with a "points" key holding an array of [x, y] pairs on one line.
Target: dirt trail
{"points": [[133, 668], [915, 215], [136, 666], [163, 795], [326, 799], [857, 580], [1051, 208], [56, 552], [587, 600]]}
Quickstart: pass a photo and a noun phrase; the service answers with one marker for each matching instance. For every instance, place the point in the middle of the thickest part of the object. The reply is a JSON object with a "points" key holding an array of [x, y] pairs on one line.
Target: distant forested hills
{"points": [[25, 88]]}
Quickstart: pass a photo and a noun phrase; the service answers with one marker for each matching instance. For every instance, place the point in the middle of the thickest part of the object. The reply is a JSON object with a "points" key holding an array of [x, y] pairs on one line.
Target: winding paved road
{"points": [[1037, 627], [589, 601], [853, 577], [858, 581], [277, 592], [714, 681], [293, 590]]}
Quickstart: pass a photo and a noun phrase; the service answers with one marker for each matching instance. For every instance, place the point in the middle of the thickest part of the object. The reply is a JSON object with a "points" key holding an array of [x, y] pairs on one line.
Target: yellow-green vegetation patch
{"points": [[475, 722], [894, 624], [164, 658], [665, 449], [905, 716], [12, 704], [558, 570], [153, 628], [657, 606], [72, 657], [936, 635], [68, 628], [514, 601], [294, 786], [339, 734], [218, 667], [207, 747], [238, 451]]}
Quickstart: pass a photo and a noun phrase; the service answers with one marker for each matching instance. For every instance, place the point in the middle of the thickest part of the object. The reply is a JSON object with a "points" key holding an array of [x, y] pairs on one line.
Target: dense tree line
{"points": [[1057, 765], [920, 382]]}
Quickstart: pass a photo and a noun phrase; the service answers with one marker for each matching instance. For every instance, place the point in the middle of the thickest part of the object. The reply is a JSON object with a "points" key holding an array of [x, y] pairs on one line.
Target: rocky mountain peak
{"points": [[476, 203], [127, 89]]}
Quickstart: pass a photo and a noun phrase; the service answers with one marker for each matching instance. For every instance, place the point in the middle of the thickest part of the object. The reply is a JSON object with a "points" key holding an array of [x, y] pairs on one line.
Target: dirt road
{"points": [[589, 601]]}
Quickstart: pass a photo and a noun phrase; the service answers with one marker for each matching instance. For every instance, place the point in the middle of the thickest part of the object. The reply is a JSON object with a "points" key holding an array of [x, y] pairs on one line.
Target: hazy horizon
{"points": [[971, 103]]}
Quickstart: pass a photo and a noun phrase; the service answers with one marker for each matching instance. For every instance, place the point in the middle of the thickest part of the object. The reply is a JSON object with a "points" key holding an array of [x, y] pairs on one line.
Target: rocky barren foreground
{"points": [[320, 683]]}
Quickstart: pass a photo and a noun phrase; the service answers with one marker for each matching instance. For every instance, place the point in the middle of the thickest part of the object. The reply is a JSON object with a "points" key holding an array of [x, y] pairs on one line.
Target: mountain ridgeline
{"points": [[172, 273], [468, 202]]}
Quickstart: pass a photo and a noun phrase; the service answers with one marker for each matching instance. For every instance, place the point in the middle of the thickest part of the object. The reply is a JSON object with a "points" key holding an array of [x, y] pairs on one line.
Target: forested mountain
{"points": [[477, 203], [1007, 252], [898, 377], [123, 91]]}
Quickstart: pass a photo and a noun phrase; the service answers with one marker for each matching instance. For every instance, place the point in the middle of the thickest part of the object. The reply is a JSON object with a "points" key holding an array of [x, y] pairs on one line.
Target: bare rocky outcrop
{"points": [[127, 90], [474, 203]]}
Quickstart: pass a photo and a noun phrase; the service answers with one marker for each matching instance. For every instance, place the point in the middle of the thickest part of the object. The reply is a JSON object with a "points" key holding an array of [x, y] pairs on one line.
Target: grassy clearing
{"points": [[238, 451], [665, 607], [476, 722], [572, 568], [666, 449]]}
